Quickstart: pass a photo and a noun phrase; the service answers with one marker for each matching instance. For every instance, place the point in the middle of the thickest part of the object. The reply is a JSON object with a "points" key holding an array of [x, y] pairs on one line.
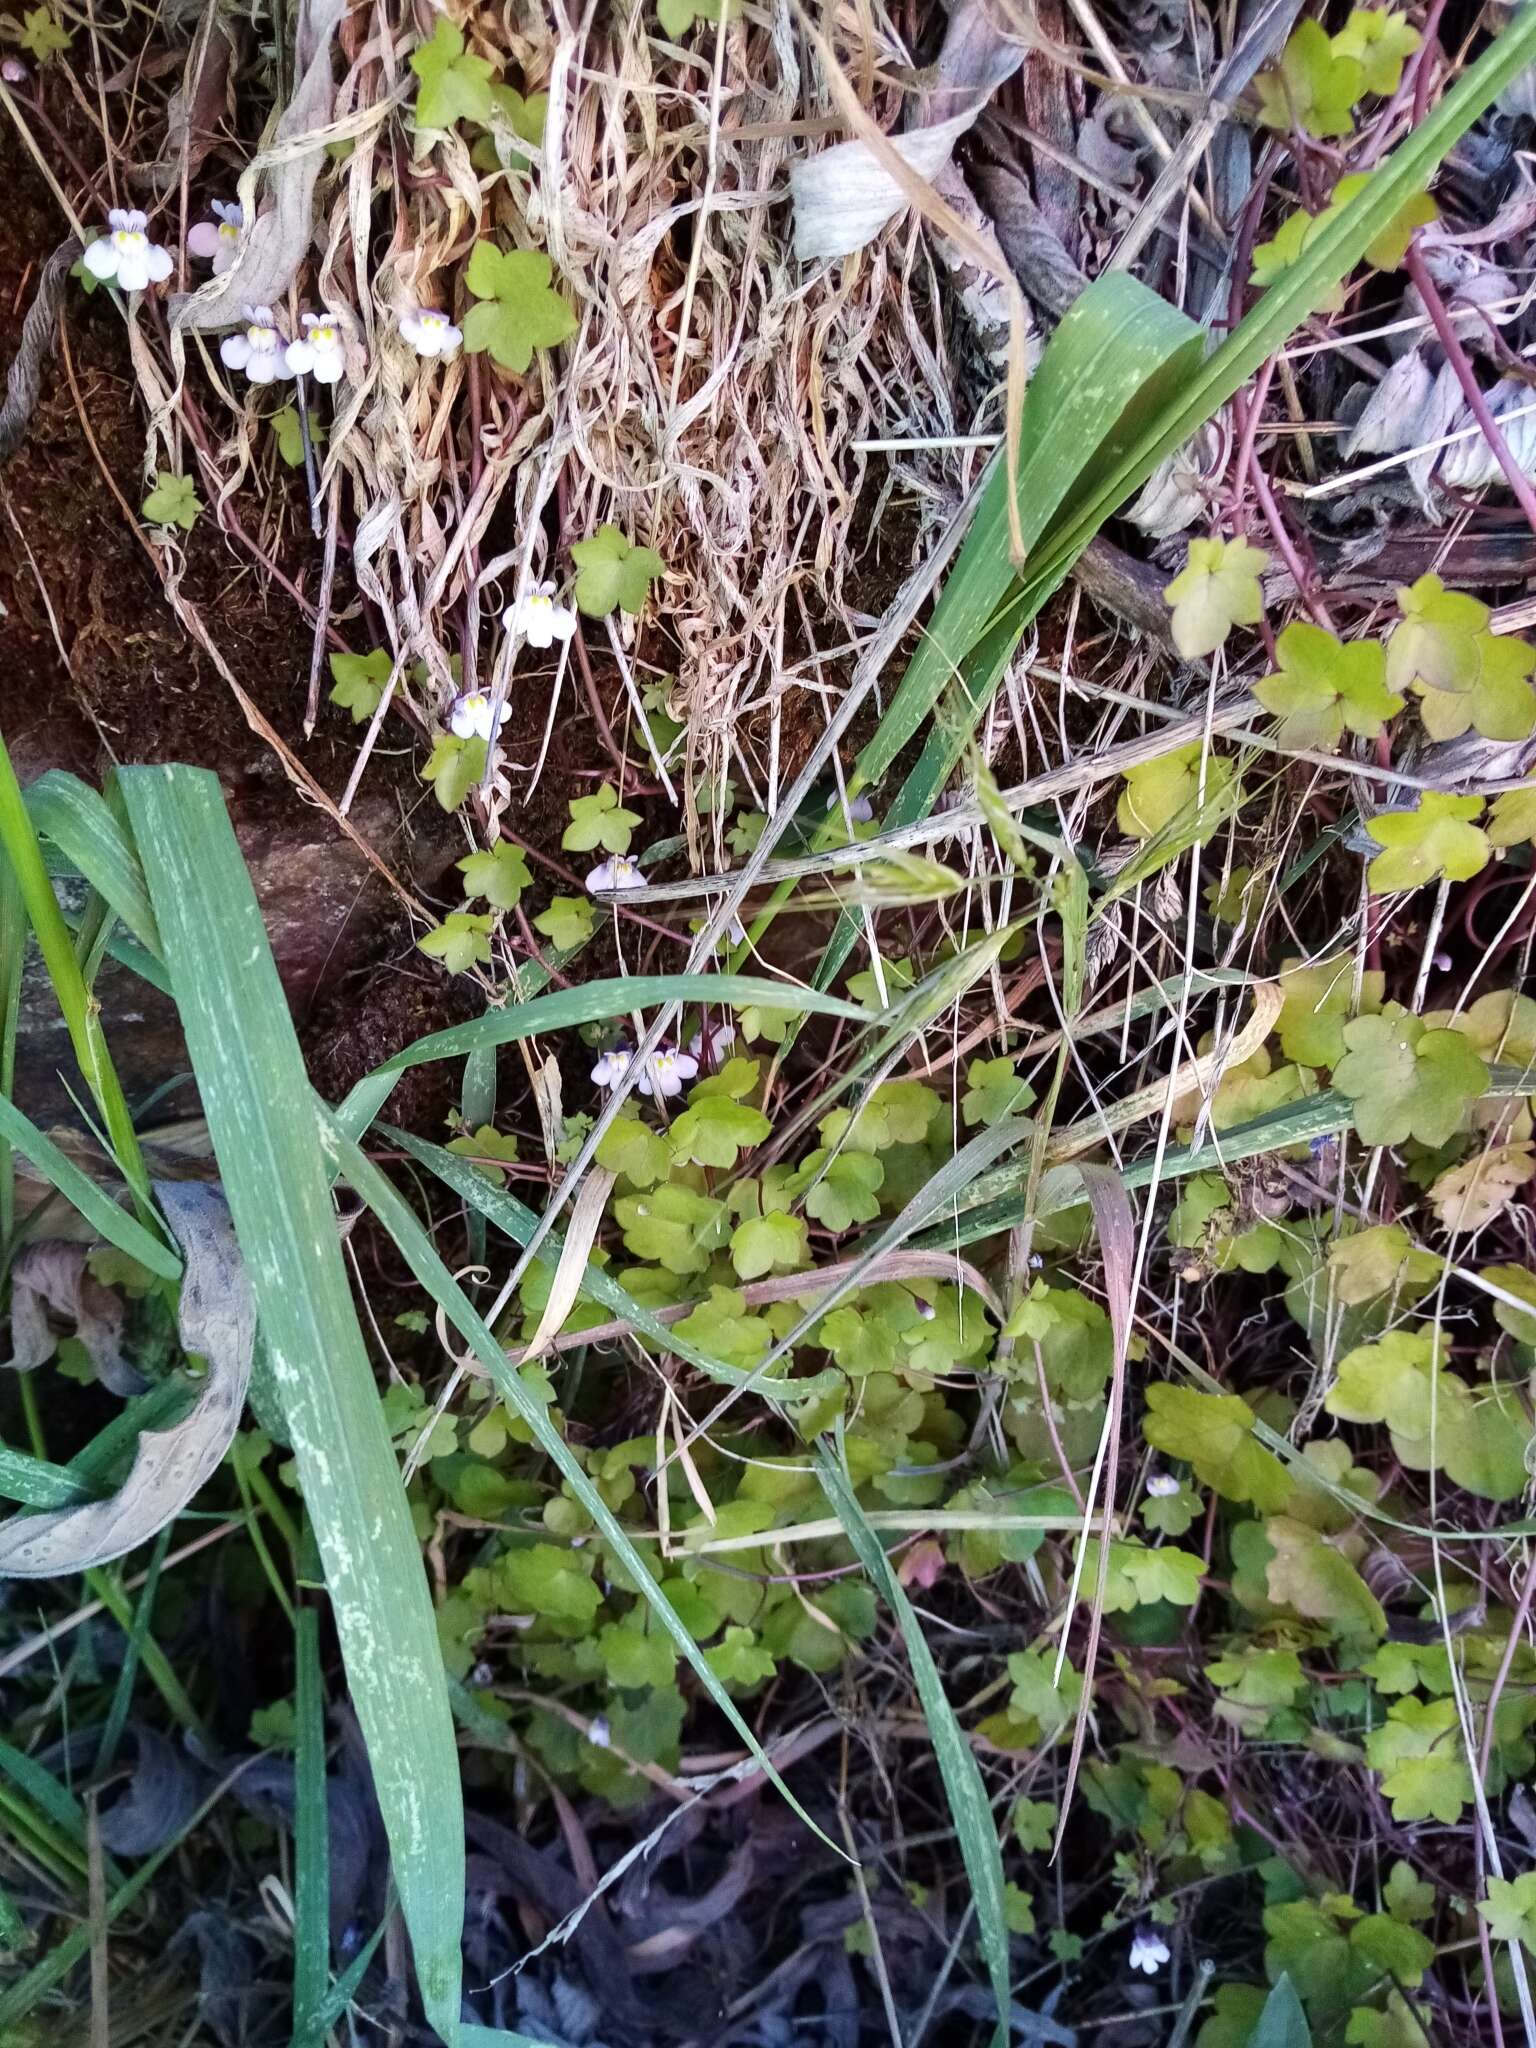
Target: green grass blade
{"points": [[368, 1181], [78, 820], [594, 1002], [18, 838], [311, 1825], [1118, 356], [13, 953], [969, 1805], [122, 1692], [36, 1483], [262, 1118], [78, 1189]]}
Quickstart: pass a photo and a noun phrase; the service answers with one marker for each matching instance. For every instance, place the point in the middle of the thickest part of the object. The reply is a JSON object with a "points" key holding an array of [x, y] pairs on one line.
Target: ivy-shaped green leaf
{"points": [[1510, 1909], [675, 1226], [1217, 589], [848, 1192], [1436, 838], [358, 682], [1382, 1259], [461, 941], [739, 1660], [173, 501], [1512, 821], [678, 16], [41, 36], [1406, 1081], [486, 1146], [1313, 87], [1318, 1001], [1499, 702], [716, 1131], [1435, 647], [1387, 250], [567, 923], [1157, 792], [519, 309], [288, 433], [1324, 689], [994, 1092], [454, 86], [1381, 42], [1214, 1434], [1423, 1767], [774, 1243], [1139, 1574], [499, 875], [612, 572], [633, 1149], [599, 821], [454, 768]]}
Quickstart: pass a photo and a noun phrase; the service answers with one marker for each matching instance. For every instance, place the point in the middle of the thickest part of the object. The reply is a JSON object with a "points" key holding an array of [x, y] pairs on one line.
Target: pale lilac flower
{"points": [[318, 351], [1162, 1486], [13, 71], [1149, 1951], [618, 873], [126, 255], [860, 810], [218, 238], [665, 1073], [259, 349], [599, 1734], [471, 716], [429, 332], [721, 1039], [924, 1308], [538, 618], [612, 1066]]}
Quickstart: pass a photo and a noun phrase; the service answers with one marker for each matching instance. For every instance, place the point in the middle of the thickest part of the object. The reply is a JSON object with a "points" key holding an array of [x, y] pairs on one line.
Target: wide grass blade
{"points": [[79, 821], [1119, 355], [969, 1805], [263, 1121]]}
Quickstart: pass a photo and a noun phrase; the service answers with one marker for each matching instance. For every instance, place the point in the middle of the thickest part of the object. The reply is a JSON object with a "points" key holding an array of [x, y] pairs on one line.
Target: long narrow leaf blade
{"points": [[263, 1122], [594, 1002], [78, 1189], [969, 1806]]}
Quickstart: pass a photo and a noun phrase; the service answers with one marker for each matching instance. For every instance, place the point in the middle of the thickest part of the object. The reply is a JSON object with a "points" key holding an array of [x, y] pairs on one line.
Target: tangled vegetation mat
{"points": [[766, 1045]]}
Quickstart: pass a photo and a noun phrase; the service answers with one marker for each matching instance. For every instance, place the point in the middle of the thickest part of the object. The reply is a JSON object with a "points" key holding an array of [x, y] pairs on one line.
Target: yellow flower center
{"points": [[130, 238], [261, 338], [228, 232], [539, 602]]}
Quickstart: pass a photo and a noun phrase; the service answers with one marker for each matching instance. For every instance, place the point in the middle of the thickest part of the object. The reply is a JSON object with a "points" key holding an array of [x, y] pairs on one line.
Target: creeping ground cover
{"points": [[767, 1036]]}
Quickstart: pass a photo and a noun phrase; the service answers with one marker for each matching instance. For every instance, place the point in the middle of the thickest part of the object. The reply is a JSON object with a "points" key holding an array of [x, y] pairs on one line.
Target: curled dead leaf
{"points": [[1472, 1194]]}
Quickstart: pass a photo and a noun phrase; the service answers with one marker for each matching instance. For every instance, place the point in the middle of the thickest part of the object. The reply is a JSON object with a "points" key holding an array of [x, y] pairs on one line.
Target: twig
{"points": [[1466, 377], [323, 607]]}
